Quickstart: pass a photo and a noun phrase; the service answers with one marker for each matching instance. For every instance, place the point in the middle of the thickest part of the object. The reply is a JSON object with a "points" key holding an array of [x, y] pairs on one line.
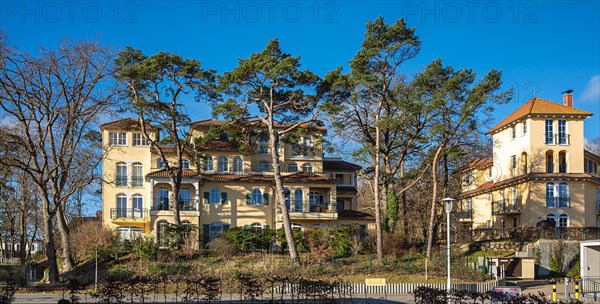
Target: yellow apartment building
{"points": [[224, 188], [540, 172]]}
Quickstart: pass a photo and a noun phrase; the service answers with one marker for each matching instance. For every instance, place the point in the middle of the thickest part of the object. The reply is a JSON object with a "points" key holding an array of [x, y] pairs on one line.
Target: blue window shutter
{"points": [[206, 198], [225, 227], [205, 233], [265, 198]]}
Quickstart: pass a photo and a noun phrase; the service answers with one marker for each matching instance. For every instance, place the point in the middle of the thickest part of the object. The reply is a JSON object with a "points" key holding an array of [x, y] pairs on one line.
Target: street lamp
{"points": [[448, 207]]}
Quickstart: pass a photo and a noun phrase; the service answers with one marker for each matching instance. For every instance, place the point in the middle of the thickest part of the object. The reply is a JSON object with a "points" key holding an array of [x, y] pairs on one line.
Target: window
{"points": [[159, 163], [524, 127], [316, 199], [185, 164], [549, 132], [215, 196], [515, 222], [238, 165], [562, 132], [563, 220], [257, 197], [551, 218], [160, 233], [292, 167], [307, 147], [216, 229], [338, 177], [129, 233], [563, 195], [490, 172], [513, 132], [550, 202], [513, 162], [139, 140], [138, 205], [185, 199], [137, 178], [162, 199], [549, 162], [256, 226], [117, 139], [298, 200], [121, 206], [297, 226], [307, 168], [223, 164], [469, 178], [263, 145], [224, 135], [207, 164], [121, 174], [562, 162], [264, 166]]}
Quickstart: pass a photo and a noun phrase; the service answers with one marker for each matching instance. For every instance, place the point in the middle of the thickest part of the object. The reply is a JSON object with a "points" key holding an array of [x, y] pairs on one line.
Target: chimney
{"points": [[568, 98]]}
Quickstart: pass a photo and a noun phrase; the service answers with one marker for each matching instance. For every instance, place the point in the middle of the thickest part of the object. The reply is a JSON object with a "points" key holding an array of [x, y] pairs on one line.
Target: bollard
{"points": [[553, 291], [576, 290]]}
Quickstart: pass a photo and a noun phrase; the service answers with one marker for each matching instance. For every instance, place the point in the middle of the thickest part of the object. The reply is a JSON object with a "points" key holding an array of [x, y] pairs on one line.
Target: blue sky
{"points": [[542, 47]]}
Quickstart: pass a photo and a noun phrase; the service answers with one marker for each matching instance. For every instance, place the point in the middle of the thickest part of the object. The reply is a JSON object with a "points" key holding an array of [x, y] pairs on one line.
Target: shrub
{"points": [[145, 248], [317, 242], [248, 238], [298, 238], [120, 273], [223, 248]]}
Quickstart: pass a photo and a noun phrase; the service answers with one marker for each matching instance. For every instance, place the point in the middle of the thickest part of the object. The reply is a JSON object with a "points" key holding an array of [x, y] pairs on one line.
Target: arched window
{"points": [[207, 164], [137, 179], [185, 199], [297, 226], [238, 165], [121, 211], [138, 205], [223, 164], [550, 199], [549, 162], [216, 229], [562, 162], [264, 166], [162, 199], [307, 168], [215, 196], [563, 220], [298, 200], [292, 167], [563, 195], [256, 226], [257, 198], [160, 233], [121, 174]]}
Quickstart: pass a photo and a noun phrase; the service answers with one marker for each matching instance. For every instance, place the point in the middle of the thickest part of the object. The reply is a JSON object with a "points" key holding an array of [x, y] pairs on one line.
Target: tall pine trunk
{"points": [[433, 200], [285, 215], [376, 187]]}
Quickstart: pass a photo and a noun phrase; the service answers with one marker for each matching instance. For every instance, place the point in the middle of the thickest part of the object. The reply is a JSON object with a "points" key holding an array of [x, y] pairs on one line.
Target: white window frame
{"points": [[222, 164], [214, 196], [308, 168], [238, 165], [257, 197], [549, 130], [117, 138], [139, 140]]}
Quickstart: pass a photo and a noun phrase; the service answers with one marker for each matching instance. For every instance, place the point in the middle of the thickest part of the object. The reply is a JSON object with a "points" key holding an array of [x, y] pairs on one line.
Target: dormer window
{"points": [[117, 139]]}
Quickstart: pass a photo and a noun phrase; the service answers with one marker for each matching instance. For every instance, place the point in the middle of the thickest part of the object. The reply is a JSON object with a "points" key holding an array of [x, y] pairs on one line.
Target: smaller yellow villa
{"points": [[539, 174], [225, 189]]}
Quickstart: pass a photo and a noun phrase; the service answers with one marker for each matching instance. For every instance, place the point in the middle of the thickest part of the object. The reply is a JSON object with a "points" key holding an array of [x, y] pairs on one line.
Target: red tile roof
{"points": [[479, 163], [339, 165], [489, 186], [538, 107], [125, 124], [164, 173]]}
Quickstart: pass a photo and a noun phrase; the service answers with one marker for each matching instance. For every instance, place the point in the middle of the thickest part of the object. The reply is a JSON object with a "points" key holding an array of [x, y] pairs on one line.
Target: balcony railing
{"points": [[137, 181], [162, 204], [295, 205], [506, 206], [128, 213], [558, 202], [553, 139], [121, 181]]}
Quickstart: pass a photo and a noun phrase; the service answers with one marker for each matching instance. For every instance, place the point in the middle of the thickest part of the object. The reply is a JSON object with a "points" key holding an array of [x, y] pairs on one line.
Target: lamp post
{"points": [[448, 207]]}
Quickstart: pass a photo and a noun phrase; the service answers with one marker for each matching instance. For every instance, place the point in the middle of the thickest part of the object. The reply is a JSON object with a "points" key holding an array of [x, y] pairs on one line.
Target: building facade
{"points": [[539, 175], [222, 188]]}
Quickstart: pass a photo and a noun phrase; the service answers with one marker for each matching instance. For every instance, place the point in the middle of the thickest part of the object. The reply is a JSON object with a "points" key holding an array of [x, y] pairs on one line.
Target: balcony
{"points": [[316, 210], [129, 215], [121, 181], [556, 138], [162, 204], [558, 202], [506, 206], [465, 215]]}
